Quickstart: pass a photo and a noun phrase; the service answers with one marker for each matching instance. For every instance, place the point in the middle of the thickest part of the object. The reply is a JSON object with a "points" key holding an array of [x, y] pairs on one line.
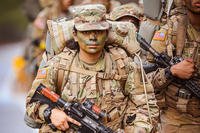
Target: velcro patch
{"points": [[42, 73], [159, 36]]}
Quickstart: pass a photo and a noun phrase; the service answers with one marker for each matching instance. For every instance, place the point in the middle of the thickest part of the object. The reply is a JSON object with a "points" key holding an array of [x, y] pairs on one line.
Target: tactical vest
{"points": [[175, 95], [108, 84], [69, 74], [117, 55]]}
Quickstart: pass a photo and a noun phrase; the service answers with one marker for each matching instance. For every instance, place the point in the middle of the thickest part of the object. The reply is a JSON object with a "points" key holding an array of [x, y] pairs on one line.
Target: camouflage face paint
{"points": [[193, 6], [91, 42]]}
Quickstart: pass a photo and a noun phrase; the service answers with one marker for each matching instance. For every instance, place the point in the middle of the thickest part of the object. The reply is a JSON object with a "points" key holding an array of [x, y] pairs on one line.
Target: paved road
{"points": [[12, 104]]}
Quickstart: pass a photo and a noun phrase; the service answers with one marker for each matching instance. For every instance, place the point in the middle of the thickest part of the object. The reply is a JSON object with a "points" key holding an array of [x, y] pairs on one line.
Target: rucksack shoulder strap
{"points": [[66, 59], [120, 57]]}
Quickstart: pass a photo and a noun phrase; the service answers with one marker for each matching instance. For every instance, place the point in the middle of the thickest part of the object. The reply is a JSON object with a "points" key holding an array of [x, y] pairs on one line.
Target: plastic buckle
{"points": [[185, 94]]}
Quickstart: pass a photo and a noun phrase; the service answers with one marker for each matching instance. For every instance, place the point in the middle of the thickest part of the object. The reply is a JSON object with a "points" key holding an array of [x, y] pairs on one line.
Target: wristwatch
{"points": [[47, 114]]}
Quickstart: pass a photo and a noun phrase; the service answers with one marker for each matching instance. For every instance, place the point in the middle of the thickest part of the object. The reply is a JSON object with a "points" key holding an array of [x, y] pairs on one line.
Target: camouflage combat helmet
{"points": [[90, 17], [131, 9], [106, 3], [45, 3]]}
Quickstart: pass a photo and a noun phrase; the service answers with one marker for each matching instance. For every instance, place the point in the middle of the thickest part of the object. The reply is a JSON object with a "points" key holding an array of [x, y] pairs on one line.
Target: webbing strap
{"points": [[62, 66], [60, 80]]}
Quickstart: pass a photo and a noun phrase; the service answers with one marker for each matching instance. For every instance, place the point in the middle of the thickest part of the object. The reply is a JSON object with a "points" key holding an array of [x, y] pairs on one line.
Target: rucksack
{"points": [[156, 13], [60, 34]]}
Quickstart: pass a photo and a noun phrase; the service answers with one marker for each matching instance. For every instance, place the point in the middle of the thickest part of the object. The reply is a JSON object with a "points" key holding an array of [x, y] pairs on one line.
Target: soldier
{"points": [[109, 4], [52, 9], [180, 109], [130, 12], [106, 75], [31, 11]]}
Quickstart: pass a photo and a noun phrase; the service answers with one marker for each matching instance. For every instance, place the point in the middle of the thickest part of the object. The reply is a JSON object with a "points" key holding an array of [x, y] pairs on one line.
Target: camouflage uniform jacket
{"points": [[110, 83], [186, 111]]}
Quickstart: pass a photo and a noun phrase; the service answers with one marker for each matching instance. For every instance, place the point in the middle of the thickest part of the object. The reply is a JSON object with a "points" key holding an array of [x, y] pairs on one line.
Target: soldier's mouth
{"points": [[92, 46], [197, 4]]}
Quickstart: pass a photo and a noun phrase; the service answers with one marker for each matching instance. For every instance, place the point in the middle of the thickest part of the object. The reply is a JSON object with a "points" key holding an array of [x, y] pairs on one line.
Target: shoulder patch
{"points": [[160, 35], [42, 73]]}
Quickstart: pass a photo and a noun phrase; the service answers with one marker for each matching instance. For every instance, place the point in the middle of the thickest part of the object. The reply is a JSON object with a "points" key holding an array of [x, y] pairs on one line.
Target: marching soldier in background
{"points": [[31, 11], [33, 53], [26, 66], [52, 10], [106, 75], [180, 109], [109, 4], [130, 12]]}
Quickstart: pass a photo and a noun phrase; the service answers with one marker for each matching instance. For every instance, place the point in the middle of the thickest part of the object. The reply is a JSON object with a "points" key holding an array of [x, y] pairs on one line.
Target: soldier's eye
{"points": [[85, 32], [88, 32], [98, 32]]}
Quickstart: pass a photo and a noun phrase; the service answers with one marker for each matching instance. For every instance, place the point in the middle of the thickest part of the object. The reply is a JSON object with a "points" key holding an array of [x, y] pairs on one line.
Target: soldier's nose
{"points": [[93, 37]]}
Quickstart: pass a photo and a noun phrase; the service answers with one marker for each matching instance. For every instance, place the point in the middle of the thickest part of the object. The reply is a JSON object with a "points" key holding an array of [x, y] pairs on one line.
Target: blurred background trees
{"points": [[15, 16], [13, 21]]}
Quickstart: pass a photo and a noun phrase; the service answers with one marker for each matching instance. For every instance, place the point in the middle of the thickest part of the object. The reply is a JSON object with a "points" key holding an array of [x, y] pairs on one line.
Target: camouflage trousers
{"points": [[168, 128], [174, 122]]}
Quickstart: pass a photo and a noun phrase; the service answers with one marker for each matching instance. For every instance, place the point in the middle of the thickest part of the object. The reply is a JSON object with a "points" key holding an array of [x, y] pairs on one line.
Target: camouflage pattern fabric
{"points": [[90, 18], [131, 9], [113, 4], [46, 3], [177, 111], [51, 10], [113, 82], [109, 4], [121, 34], [83, 81]]}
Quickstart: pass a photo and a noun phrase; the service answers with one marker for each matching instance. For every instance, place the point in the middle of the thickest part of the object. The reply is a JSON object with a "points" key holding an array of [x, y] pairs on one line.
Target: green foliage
{"points": [[7, 5], [11, 15]]}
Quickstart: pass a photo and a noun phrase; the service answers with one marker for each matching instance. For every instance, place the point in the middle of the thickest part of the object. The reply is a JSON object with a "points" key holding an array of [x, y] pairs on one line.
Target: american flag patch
{"points": [[42, 74], [159, 36]]}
